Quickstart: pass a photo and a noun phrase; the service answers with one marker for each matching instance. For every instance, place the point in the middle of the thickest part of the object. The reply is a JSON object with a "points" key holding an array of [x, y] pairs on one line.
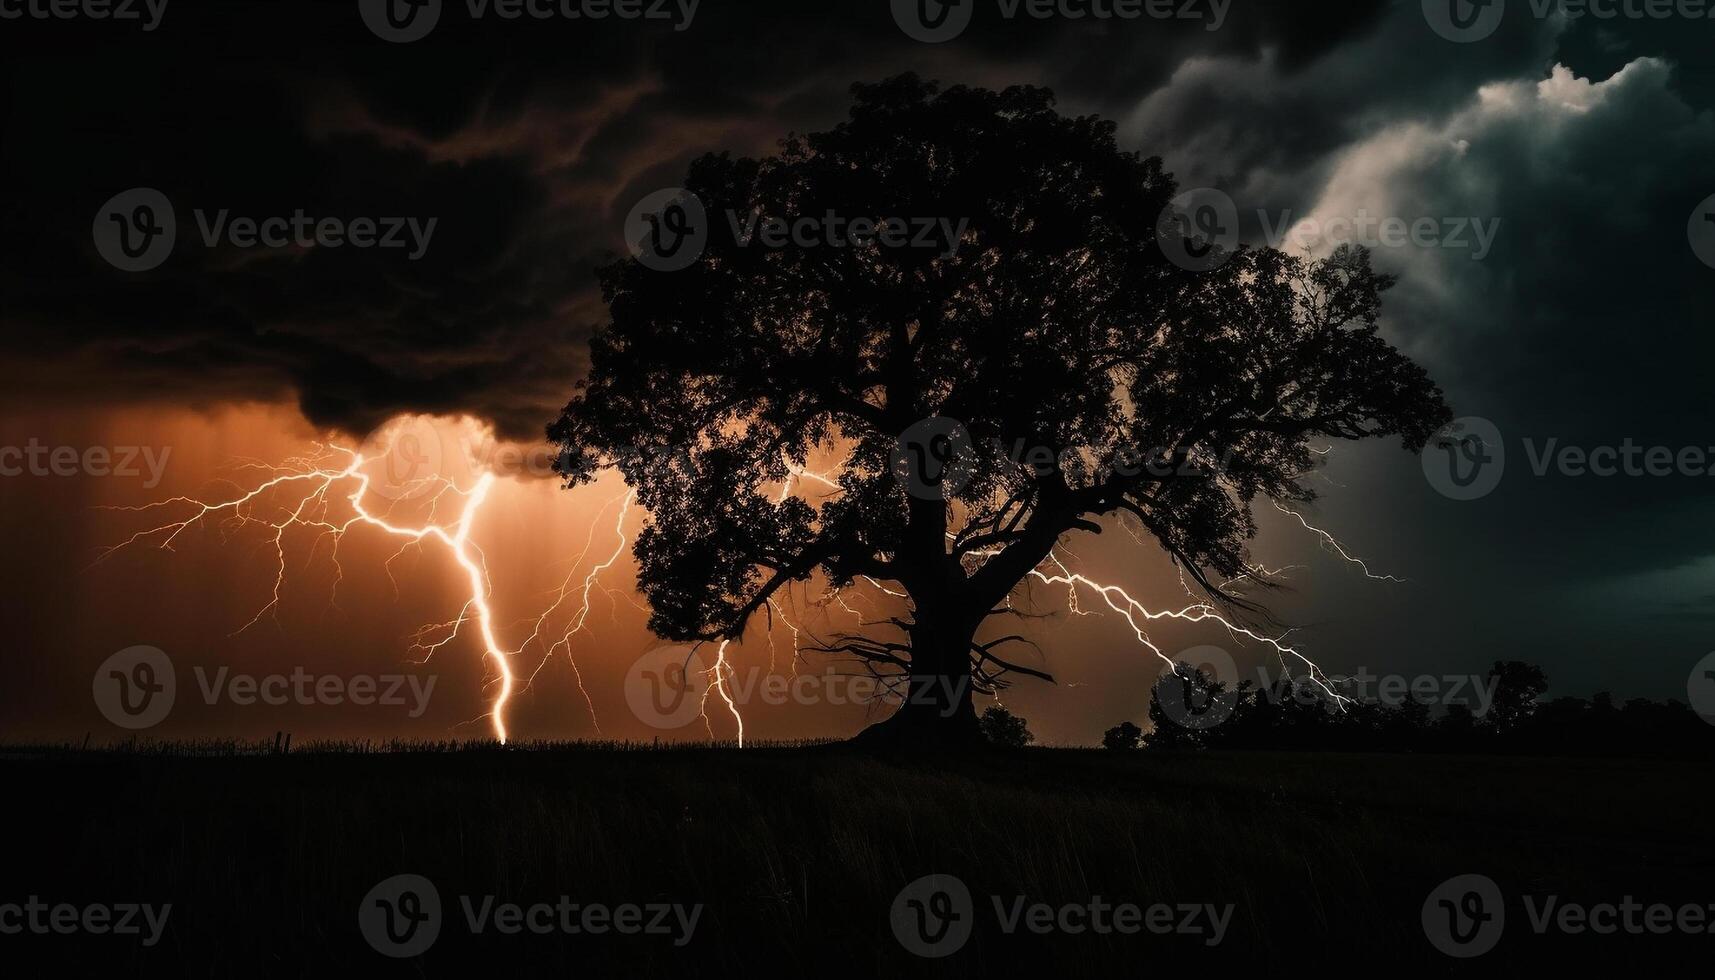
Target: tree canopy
{"points": [[1054, 323]]}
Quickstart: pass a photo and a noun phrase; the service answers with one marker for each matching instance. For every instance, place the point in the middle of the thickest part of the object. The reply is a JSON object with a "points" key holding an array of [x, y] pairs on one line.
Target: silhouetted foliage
{"points": [[1005, 729], [1297, 715], [1123, 737], [1184, 706], [1057, 324], [1517, 685]]}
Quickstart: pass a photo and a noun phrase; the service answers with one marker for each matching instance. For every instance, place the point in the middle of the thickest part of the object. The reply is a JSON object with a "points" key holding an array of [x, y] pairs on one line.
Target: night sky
{"points": [[1585, 146]]}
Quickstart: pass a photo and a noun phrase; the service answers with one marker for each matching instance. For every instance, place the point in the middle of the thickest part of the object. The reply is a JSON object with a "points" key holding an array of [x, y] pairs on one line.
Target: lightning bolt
{"points": [[1136, 614], [312, 484], [310, 487], [720, 671], [1330, 544], [576, 624]]}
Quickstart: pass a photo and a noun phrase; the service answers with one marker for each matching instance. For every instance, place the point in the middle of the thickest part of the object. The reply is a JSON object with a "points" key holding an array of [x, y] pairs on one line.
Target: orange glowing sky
{"points": [[194, 601]]}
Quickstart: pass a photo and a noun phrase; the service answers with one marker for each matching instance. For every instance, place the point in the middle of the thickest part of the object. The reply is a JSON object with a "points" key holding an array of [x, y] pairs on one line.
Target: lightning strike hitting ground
{"points": [[317, 481], [313, 484]]}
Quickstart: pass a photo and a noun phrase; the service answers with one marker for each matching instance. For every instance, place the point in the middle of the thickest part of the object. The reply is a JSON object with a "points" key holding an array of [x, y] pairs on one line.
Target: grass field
{"points": [[797, 854]]}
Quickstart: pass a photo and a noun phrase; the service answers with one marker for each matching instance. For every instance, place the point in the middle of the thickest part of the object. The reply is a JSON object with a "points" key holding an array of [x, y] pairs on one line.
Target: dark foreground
{"points": [[797, 857]]}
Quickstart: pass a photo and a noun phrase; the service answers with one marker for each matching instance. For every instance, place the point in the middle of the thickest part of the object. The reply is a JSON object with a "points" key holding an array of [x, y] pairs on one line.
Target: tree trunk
{"points": [[937, 712]]}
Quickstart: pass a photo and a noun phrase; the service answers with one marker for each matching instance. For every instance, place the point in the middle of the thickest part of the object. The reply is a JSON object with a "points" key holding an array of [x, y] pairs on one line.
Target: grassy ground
{"points": [[797, 855]]}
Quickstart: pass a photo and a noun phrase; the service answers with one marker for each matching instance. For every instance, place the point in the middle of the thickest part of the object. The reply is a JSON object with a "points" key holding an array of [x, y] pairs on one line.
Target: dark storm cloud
{"points": [[529, 142], [1585, 326], [526, 141]]}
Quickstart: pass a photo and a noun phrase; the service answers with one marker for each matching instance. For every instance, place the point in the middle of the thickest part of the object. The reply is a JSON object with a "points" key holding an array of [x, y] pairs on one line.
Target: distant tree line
{"points": [[1200, 712]]}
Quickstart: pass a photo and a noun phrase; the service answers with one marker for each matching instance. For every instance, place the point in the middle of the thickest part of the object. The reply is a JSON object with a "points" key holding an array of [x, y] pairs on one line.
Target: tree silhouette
{"points": [[1056, 330], [1517, 685], [1123, 737], [1005, 729]]}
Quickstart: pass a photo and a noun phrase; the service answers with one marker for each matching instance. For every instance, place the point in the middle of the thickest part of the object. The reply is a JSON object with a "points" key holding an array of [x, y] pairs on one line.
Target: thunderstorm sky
{"points": [[1583, 144]]}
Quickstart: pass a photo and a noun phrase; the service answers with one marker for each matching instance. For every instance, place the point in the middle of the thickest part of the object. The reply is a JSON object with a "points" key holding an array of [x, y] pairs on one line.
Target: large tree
{"points": [[1057, 326]]}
